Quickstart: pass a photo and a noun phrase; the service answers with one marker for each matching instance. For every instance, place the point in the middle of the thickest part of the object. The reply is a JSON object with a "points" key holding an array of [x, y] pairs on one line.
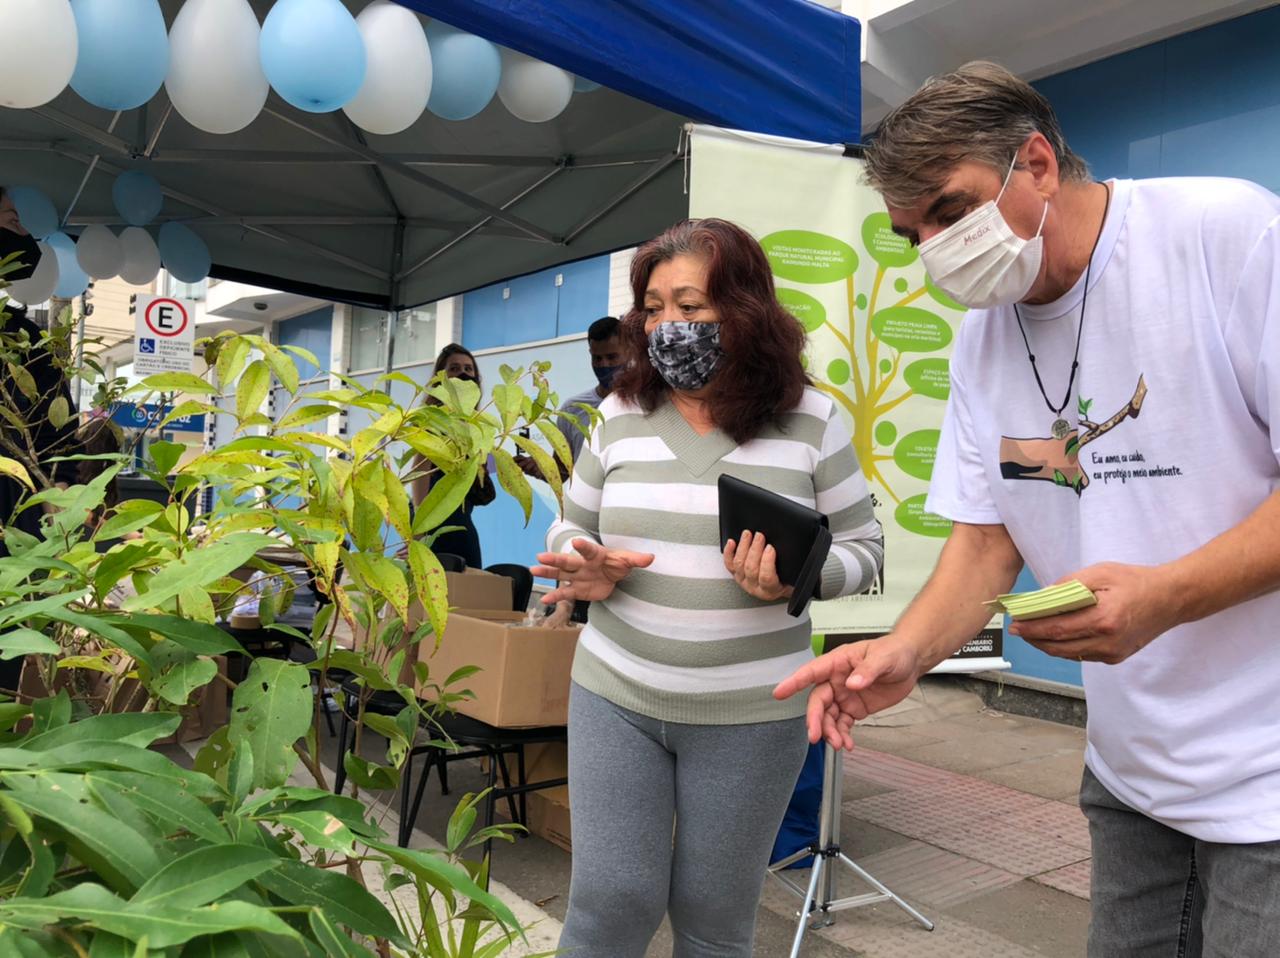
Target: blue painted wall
{"points": [[535, 307], [1206, 103], [311, 331]]}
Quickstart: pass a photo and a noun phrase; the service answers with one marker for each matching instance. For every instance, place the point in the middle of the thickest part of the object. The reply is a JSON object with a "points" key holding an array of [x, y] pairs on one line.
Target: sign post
{"points": [[164, 336]]}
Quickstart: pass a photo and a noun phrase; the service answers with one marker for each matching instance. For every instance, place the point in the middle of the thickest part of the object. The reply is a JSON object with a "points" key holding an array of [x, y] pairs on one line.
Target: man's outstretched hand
{"points": [[851, 682]]}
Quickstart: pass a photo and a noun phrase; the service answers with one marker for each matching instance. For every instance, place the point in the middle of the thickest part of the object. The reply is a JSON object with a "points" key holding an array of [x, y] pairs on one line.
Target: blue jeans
{"points": [[1159, 893]]}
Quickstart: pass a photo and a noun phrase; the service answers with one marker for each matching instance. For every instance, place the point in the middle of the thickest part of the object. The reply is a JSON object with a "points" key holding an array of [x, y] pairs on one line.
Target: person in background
{"points": [[604, 342], [456, 362], [682, 763], [50, 383], [1114, 418]]}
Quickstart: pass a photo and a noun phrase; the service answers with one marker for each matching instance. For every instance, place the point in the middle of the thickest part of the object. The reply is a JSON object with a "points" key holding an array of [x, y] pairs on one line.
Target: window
{"points": [[192, 291], [415, 340], [368, 339]]}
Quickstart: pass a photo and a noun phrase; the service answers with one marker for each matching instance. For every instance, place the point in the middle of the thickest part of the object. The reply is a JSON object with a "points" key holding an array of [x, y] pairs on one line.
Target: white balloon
{"points": [[40, 49], [397, 81], [39, 286], [215, 73], [99, 252], [532, 90], [141, 256]]}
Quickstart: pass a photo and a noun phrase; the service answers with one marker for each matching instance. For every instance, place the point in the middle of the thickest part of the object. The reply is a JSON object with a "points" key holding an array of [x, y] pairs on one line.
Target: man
{"points": [[1114, 418], [605, 346]]}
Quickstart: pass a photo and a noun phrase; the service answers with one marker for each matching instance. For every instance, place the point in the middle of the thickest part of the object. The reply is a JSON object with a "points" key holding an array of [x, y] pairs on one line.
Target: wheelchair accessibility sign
{"points": [[164, 335]]}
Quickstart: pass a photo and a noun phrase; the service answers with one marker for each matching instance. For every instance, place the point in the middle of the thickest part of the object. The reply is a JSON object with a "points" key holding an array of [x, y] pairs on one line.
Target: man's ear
{"points": [[1038, 157]]}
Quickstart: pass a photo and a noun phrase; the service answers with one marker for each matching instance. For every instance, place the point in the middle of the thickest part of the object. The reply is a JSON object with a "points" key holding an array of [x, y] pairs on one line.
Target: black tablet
{"points": [[798, 533]]}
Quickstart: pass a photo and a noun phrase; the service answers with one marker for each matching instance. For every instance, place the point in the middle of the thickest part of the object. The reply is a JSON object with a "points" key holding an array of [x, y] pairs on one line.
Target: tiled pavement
{"points": [[967, 813]]}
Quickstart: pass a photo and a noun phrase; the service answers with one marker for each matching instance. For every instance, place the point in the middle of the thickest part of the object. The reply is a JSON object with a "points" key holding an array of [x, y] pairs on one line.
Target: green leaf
{"points": [[332, 939], [307, 414], [140, 729], [120, 561], [175, 804], [189, 407], [508, 398], [26, 642], [199, 567], [203, 875], [382, 576], [130, 516], [431, 585], [444, 875], [231, 359], [1073, 444], [161, 927], [251, 391], [342, 899], [177, 383], [317, 828], [546, 465], [397, 499], [514, 481], [16, 470], [302, 353], [284, 368], [271, 709], [370, 775], [165, 455], [179, 672], [104, 627], [1083, 405], [59, 412], [444, 498], [24, 381], [198, 637], [558, 442], [113, 849]]}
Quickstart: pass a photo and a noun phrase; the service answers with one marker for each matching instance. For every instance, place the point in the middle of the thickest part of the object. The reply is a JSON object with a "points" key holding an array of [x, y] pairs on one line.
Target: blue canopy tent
{"points": [[309, 203]]}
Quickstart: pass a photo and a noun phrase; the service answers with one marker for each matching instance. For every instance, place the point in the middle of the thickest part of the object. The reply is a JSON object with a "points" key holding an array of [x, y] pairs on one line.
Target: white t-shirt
{"points": [[1184, 296]]}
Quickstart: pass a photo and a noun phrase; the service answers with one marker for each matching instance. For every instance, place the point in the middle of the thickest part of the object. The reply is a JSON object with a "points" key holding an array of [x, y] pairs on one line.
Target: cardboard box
{"points": [[524, 677], [548, 811], [477, 589]]}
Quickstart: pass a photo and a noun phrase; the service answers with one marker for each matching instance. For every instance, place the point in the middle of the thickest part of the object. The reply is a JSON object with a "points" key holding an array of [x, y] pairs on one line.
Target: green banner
{"points": [[880, 333]]}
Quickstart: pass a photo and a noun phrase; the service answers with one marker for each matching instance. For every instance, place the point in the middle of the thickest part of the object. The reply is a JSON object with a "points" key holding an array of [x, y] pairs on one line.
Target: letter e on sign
{"points": [[166, 317]]}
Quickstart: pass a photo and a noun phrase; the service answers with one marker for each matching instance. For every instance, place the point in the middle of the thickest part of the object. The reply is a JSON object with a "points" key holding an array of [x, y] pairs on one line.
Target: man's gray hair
{"points": [[980, 112]]}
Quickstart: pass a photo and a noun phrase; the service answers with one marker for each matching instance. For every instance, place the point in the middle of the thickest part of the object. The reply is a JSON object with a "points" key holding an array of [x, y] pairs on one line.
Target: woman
{"points": [[671, 721], [457, 362]]}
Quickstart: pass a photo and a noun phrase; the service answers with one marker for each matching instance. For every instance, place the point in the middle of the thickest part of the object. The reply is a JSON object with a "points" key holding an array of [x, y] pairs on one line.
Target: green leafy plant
{"points": [[107, 845]]}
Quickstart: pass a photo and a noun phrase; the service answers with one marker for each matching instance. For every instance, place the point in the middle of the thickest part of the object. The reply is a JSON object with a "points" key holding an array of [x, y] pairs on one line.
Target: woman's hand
{"points": [[591, 574], [754, 564]]}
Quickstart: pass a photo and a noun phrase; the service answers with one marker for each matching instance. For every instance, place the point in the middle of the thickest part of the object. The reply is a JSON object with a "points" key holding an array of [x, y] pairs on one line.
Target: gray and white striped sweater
{"points": [[680, 641]]}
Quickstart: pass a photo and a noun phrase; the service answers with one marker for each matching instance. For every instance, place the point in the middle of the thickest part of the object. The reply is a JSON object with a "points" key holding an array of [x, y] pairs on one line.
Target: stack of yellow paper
{"points": [[1056, 599]]}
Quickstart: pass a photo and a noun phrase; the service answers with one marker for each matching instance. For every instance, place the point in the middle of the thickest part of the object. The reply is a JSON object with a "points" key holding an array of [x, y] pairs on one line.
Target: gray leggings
{"points": [[720, 790]]}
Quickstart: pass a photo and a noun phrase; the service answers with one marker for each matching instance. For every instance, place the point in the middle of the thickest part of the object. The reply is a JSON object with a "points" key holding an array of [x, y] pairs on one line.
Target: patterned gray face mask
{"points": [[686, 355]]}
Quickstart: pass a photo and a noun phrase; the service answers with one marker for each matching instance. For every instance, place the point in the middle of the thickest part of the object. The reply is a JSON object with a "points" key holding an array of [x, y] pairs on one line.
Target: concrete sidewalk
{"points": [[966, 812]]}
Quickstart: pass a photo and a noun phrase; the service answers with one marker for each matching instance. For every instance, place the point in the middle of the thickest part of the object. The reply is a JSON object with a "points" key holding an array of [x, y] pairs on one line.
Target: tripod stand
{"points": [[820, 895]]}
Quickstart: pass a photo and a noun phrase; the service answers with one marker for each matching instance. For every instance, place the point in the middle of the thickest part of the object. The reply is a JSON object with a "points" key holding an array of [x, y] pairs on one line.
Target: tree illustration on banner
{"points": [[881, 351]]}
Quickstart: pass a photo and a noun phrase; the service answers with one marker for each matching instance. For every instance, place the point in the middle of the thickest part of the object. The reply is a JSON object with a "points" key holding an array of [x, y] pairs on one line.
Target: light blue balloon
{"points": [[124, 52], [35, 210], [313, 54], [184, 254], [465, 72], [583, 85], [137, 197], [72, 280]]}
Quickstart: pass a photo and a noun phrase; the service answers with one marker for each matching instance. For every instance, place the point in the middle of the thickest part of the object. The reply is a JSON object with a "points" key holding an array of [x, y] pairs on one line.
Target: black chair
{"points": [[521, 583], [452, 563], [472, 738]]}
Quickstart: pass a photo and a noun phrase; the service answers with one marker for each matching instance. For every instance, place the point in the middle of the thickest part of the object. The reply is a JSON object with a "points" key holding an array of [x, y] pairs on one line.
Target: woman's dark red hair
{"points": [[761, 376]]}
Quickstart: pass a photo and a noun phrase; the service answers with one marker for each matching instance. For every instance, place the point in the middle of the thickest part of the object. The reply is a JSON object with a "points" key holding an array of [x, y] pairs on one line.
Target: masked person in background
{"points": [[1114, 418], [671, 721], [45, 439], [457, 363]]}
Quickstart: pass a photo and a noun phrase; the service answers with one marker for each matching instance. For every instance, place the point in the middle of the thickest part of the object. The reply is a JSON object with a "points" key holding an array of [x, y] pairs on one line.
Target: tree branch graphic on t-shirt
{"points": [[1058, 460]]}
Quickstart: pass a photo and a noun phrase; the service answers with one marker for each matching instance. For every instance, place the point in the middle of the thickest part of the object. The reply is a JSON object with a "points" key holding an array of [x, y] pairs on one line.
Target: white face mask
{"points": [[979, 261]]}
